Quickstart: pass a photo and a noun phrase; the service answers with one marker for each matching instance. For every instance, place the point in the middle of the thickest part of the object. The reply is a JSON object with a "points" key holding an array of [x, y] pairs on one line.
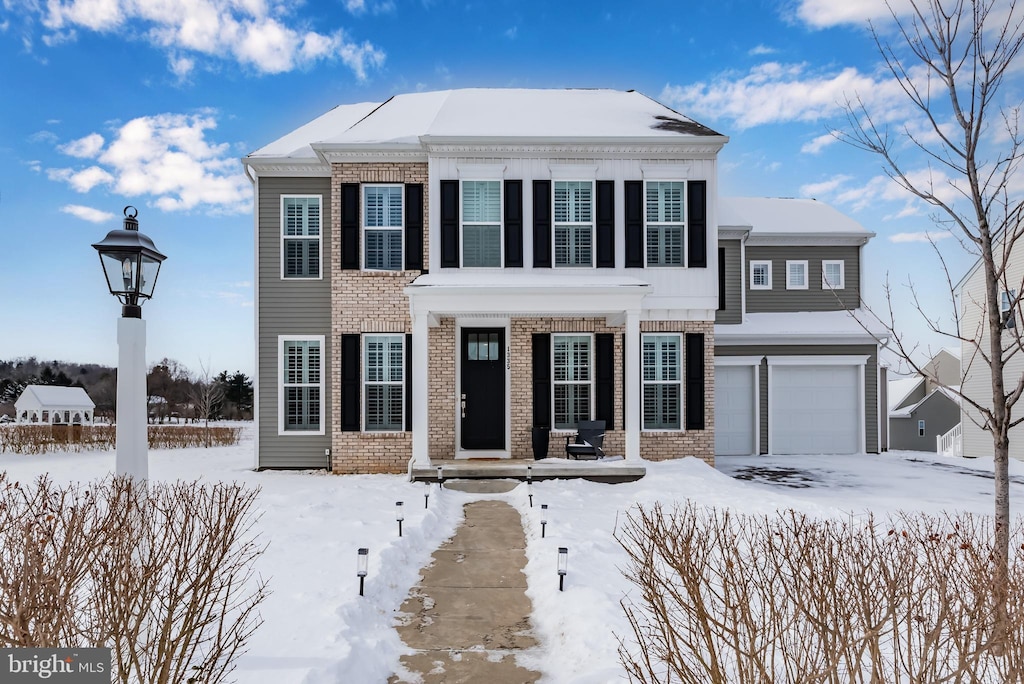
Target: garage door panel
{"points": [[734, 410], [815, 409]]}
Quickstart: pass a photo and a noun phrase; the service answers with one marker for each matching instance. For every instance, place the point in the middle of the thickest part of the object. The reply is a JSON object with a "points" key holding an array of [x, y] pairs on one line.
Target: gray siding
{"points": [[296, 307], [939, 413], [870, 380], [731, 313], [814, 298], [912, 398]]}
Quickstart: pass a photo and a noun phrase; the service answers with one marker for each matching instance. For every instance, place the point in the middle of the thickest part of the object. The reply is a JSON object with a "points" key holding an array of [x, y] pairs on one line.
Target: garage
{"points": [[815, 409], [734, 410]]}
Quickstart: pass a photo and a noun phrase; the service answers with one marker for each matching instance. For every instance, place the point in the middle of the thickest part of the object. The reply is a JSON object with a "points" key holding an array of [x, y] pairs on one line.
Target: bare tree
{"points": [[952, 58], [207, 394]]}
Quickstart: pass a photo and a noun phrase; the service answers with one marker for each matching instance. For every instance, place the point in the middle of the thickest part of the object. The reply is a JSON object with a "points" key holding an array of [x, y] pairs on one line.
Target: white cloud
{"points": [[824, 188], [920, 236], [761, 50], [85, 147], [826, 13], [167, 158], [818, 144], [262, 34], [87, 213], [512, 33]]}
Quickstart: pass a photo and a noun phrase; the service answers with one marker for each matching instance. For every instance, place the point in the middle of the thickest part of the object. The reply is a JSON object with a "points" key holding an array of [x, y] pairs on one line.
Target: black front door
{"points": [[482, 399]]}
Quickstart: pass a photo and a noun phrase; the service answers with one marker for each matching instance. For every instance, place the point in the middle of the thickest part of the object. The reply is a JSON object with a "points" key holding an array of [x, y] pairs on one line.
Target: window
{"points": [[482, 347], [832, 275], [920, 428], [796, 275], [382, 227], [1007, 301], [662, 382], [760, 275], [574, 223], [301, 396], [664, 223], [300, 236], [481, 223], [384, 382], [573, 380]]}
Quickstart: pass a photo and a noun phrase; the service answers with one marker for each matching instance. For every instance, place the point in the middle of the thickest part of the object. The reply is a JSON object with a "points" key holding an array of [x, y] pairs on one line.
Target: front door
{"points": [[482, 399]]}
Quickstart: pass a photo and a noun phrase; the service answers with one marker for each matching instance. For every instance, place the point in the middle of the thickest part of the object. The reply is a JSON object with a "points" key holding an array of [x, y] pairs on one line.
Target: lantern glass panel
{"points": [[150, 269], [120, 269]]}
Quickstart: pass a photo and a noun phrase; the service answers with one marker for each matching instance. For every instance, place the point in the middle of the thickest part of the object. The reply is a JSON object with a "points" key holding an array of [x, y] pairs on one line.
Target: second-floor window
{"points": [[665, 227], [481, 223], [300, 236], [796, 275], [574, 223], [832, 275], [760, 275], [382, 227]]}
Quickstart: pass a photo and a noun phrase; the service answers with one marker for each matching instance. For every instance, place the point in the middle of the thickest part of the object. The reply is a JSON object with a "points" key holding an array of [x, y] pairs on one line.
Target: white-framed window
{"points": [[382, 227], [301, 395], [920, 428], [662, 380], [833, 275], [481, 223], [760, 275], [300, 236], [1007, 301], [796, 275], [573, 379], [665, 222], [384, 383], [574, 223]]}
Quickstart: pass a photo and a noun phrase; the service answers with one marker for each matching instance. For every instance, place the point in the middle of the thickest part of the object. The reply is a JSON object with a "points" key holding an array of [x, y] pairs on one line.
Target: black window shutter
{"points": [[541, 380], [450, 224], [696, 217], [634, 224], [350, 383], [513, 223], [606, 224], [414, 226], [694, 381], [408, 382], [604, 344], [542, 224], [350, 225], [721, 278]]}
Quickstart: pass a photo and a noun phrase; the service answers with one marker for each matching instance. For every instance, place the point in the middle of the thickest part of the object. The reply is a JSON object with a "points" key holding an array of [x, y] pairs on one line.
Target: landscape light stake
{"points": [[426, 497], [543, 520], [440, 478], [529, 492], [362, 559], [563, 564], [399, 516]]}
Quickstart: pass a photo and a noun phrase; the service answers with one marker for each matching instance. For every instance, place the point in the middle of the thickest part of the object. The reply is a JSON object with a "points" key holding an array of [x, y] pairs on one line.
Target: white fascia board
{"points": [[813, 360], [797, 239], [265, 167], [739, 360], [733, 232]]}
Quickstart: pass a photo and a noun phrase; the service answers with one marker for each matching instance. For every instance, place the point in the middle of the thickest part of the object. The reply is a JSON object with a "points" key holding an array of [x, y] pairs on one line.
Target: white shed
{"points": [[54, 405]]}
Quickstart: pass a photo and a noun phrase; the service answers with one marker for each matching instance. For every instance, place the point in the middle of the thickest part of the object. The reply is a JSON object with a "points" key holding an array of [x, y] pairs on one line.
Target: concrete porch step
{"points": [[611, 471]]}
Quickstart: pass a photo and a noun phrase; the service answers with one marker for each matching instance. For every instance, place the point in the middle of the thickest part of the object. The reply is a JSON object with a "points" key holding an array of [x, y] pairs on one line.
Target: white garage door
{"points": [[734, 410], [815, 410]]}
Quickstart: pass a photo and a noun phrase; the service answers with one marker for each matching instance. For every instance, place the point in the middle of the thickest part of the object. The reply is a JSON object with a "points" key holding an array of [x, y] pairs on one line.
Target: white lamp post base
{"points": [[132, 441]]}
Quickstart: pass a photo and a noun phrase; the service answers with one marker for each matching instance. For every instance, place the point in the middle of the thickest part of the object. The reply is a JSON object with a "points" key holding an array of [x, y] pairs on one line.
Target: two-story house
{"points": [[441, 273]]}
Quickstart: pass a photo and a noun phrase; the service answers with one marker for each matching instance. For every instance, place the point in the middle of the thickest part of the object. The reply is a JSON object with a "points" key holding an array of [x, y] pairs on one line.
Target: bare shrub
{"points": [[160, 572], [790, 598], [40, 439]]}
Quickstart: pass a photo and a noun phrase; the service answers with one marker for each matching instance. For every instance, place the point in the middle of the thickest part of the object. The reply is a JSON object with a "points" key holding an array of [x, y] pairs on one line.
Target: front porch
{"points": [[613, 470]]}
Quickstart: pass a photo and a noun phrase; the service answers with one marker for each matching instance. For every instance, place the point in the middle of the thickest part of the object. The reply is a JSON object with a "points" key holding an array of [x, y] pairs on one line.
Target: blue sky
{"points": [[105, 103]]}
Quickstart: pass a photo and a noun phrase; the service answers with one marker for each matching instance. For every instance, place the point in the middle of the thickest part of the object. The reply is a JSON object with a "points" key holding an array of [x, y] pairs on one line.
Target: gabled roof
{"points": [[901, 388], [908, 411], [53, 395], [786, 216]]}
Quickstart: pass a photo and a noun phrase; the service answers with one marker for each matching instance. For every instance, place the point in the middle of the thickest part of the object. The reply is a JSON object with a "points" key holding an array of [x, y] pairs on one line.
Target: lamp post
{"points": [[131, 264]]}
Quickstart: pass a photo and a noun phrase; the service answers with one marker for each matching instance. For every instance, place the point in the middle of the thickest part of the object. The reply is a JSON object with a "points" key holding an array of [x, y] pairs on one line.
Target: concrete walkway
{"points": [[469, 614]]}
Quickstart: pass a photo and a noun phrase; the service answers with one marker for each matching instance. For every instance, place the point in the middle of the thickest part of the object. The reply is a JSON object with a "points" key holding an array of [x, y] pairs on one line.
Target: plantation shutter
{"points": [[350, 226], [604, 344], [408, 382], [606, 224], [542, 224], [694, 374], [414, 226], [634, 224], [450, 224], [696, 219], [541, 380], [350, 383], [513, 223]]}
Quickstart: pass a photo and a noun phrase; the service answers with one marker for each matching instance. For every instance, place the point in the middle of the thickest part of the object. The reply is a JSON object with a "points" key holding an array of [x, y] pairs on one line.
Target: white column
{"points": [[420, 394], [132, 457], [632, 389]]}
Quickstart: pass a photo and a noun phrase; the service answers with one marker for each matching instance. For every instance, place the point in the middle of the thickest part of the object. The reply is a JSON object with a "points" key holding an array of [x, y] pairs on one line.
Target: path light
{"points": [[543, 519], [529, 492], [529, 474], [399, 516], [563, 566], [440, 477], [426, 497], [362, 560]]}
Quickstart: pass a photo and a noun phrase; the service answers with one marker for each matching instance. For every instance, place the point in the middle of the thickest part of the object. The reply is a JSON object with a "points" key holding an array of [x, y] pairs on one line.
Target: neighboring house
{"points": [[977, 384], [441, 273], [921, 407], [54, 404]]}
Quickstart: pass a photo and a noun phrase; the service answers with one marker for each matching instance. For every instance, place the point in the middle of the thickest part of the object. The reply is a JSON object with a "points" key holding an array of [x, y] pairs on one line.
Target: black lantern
{"points": [[131, 263]]}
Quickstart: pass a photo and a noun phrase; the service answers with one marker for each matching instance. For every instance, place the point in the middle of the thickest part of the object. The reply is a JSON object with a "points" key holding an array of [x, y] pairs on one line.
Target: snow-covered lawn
{"points": [[319, 630]]}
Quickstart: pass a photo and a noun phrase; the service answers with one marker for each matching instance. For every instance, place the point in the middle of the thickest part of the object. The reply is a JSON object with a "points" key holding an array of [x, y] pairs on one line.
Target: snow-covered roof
{"points": [[491, 113], [908, 411], [785, 216], [901, 388], [56, 396], [800, 327]]}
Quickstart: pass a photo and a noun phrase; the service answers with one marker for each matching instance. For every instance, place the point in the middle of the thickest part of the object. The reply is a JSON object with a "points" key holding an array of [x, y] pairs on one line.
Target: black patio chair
{"points": [[587, 441]]}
